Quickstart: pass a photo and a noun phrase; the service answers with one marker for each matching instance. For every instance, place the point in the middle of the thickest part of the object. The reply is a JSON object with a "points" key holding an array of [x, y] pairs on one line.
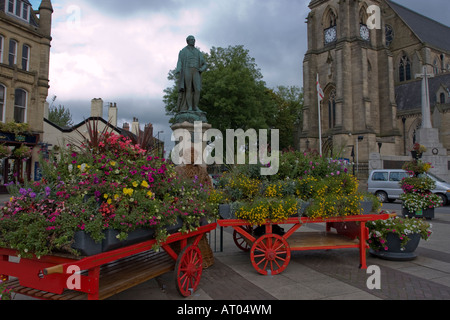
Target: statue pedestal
{"points": [[193, 154], [436, 153]]}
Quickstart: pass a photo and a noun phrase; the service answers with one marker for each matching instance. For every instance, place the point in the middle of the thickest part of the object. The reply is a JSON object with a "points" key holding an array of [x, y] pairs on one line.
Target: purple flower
{"points": [[47, 191], [23, 191]]}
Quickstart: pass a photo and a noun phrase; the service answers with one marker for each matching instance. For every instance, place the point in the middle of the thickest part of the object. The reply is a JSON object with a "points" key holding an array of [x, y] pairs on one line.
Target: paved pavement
{"points": [[315, 275]]}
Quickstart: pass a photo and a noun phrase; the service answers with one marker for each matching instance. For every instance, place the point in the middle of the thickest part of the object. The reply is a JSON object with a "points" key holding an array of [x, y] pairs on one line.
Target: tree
{"points": [[60, 116], [234, 95], [289, 102]]}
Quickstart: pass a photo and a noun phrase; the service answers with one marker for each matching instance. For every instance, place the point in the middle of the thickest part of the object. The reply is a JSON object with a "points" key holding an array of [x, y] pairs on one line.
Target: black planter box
{"points": [[112, 243], [425, 213]]}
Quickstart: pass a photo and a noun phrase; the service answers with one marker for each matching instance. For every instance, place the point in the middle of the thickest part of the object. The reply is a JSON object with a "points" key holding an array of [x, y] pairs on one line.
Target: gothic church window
{"points": [[389, 34], [442, 98], [404, 69], [364, 31], [332, 109], [330, 32]]}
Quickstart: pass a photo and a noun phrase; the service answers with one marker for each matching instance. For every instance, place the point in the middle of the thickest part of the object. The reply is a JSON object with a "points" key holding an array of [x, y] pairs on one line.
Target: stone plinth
{"points": [[436, 154]]}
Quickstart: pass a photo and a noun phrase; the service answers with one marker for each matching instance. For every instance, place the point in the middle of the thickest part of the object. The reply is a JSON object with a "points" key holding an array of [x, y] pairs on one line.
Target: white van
{"points": [[385, 184]]}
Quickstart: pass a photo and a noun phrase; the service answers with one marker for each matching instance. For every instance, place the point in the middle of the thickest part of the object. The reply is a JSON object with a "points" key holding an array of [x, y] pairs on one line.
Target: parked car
{"points": [[385, 184]]}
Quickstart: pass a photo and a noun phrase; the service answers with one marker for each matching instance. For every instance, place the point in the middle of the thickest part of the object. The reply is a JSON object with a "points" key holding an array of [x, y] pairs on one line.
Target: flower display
{"points": [[417, 193], [5, 291], [5, 151], [22, 152], [325, 183], [403, 227], [111, 183]]}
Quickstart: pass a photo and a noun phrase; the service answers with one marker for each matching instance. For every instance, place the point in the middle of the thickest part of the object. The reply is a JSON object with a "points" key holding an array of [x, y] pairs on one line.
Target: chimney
{"points": [[112, 114], [45, 17], [97, 108], [126, 126], [135, 126]]}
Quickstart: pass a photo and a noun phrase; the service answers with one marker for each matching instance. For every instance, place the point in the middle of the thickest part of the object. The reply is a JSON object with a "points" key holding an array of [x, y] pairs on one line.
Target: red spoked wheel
{"points": [[240, 240], [188, 270], [270, 254]]}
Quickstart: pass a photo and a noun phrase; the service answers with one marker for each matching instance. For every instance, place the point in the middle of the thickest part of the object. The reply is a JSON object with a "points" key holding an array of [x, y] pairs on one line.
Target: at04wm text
{"points": [[247, 309]]}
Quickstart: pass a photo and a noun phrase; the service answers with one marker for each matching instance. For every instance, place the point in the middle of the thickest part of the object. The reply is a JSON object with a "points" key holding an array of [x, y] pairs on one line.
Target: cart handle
{"points": [[54, 270]]}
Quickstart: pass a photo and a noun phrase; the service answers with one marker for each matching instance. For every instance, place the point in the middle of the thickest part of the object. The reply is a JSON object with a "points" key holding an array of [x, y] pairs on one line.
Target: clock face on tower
{"points": [[330, 35], [364, 32]]}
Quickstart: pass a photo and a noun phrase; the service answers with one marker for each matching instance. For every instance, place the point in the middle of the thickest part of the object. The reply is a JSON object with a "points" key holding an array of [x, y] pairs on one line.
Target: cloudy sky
{"points": [[121, 51]]}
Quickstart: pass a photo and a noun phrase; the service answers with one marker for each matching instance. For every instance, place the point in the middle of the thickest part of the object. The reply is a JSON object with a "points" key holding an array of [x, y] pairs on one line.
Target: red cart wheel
{"points": [[270, 254], [240, 240], [188, 270]]}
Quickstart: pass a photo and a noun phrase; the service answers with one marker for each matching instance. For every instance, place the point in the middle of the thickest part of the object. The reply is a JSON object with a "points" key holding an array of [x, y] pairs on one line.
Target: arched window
{"points": [[330, 23], [404, 69], [2, 102], [20, 106], [332, 109], [442, 98]]}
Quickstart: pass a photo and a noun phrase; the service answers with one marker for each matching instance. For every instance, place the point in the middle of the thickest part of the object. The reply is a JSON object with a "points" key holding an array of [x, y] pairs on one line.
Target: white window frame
{"points": [[22, 107], [15, 52], [27, 58], [3, 103], [18, 7]]}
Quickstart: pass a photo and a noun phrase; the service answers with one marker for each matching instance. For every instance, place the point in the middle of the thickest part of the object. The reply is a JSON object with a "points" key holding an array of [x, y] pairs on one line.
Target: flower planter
{"points": [[85, 244], [366, 207], [424, 213], [175, 227], [111, 242], [395, 252], [225, 211]]}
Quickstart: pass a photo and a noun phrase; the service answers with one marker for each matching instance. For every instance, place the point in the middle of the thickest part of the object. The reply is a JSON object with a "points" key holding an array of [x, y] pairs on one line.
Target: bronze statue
{"points": [[190, 66]]}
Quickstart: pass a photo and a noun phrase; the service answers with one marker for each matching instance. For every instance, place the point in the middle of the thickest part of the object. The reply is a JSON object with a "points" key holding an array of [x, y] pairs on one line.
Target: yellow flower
{"points": [[128, 191], [150, 194], [109, 201], [105, 196], [116, 196], [112, 163], [144, 184], [135, 184]]}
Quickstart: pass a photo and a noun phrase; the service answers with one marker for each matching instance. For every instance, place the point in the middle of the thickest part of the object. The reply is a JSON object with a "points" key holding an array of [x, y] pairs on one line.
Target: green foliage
{"points": [[234, 95], [60, 116]]}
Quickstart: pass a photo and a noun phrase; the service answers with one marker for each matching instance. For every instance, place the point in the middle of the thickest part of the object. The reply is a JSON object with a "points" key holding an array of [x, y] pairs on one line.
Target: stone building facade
{"points": [[367, 54], [25, 38]]}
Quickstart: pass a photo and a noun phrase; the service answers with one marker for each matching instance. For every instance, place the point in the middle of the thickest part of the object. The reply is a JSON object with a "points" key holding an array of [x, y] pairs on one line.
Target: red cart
{"points": [[271, 252], [106, 274]]}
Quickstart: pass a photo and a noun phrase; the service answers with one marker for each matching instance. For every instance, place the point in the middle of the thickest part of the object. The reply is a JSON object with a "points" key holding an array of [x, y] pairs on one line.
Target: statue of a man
{"points": [[190, 66]]}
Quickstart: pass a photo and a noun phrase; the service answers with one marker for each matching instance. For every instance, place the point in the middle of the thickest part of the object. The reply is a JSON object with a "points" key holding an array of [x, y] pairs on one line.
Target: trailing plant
{"points": [[402, 227]]}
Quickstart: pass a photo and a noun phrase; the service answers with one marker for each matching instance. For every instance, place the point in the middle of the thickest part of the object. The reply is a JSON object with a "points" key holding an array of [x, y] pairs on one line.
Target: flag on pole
{"points": [[320, 96], [319, 89]]}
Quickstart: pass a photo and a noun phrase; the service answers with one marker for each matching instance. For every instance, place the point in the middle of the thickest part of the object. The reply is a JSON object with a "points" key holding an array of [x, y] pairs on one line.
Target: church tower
{"points": [[347, 50]]}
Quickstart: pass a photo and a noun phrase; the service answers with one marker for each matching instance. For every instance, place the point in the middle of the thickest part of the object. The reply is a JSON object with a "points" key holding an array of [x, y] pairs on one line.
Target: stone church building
{"points": [[367, 62]]}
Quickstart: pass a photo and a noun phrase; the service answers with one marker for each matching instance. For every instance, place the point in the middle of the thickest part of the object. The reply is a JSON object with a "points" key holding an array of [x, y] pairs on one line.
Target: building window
{"points": [[332, 109], [19, 8], [25, 57], [2, 101], [442, 98], [12, 52], [405, 69], [1, 48], [20, 106]]}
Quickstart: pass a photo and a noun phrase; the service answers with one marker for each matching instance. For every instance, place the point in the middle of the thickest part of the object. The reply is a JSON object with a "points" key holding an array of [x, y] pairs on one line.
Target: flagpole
{"points": [[319, 98]]}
